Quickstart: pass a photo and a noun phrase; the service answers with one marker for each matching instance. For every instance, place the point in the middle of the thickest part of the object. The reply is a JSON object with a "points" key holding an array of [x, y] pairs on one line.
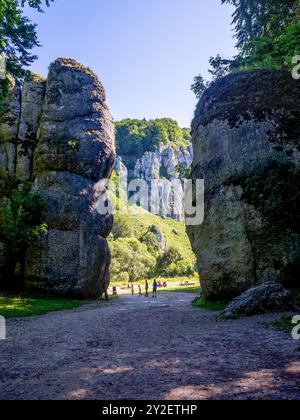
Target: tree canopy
{"points": [[18, 34], [138, 136], [267, 34]]}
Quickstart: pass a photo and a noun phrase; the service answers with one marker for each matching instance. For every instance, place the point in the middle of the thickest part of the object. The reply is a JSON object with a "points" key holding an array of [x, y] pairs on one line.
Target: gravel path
{"points": [[147, 349]]}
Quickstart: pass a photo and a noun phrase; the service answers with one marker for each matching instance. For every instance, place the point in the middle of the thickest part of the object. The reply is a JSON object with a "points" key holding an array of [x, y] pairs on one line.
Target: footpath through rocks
{"points": [[138, 348]]}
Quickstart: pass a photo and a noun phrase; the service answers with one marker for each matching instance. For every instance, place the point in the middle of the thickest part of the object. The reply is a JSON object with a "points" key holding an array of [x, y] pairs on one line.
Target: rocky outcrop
{"points": [[9, 121], [246, 135], [32, 97], [63, 139], [164, 163], [268, 297]]}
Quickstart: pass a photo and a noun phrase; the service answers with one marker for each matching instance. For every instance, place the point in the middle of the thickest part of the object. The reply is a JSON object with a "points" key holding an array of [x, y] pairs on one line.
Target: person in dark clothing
{"points": [[147, 289], [155, 286]]}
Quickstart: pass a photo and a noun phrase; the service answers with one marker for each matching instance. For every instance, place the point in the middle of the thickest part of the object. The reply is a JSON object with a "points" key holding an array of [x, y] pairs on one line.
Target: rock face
{"points": [[163, 163], [161, 167], [64, 142], [246, 135], [9, 117], [268, 297]]}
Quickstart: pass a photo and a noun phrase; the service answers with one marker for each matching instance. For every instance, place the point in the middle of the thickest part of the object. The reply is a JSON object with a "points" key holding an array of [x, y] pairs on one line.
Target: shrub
{"points": [[122, 227], [151, 241], [181, 268], [172, 256], [21, 223]]}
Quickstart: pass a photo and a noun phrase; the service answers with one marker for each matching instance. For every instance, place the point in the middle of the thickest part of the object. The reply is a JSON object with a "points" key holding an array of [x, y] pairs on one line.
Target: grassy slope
{"points": [[174, 231]]}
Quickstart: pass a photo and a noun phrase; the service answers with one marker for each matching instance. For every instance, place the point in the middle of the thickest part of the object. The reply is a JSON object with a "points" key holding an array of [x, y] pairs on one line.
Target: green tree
{"points": [[18, 34], [255, 19], [132, 257], [21, 223], [172, 256], [135, 137], [122, 226], [199, 85], [267, 33], [151, 241]]}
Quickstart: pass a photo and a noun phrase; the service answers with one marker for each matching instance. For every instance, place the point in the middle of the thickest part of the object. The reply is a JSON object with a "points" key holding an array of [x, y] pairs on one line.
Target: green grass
{"points": [[169, 280], [182, 289], [211, 306], [283, 324], [23, 306]]}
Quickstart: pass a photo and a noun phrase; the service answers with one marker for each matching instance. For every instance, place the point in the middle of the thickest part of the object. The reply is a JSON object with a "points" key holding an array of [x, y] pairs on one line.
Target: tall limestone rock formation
{"points": [[246, 140], [163, 163], [59, 133]]}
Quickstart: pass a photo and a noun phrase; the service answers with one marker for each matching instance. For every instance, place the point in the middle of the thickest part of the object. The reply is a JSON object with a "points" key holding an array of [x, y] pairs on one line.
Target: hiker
{"points": [[115, 291], [155, 285], [140, 291], [132, 290], [147, 289]]}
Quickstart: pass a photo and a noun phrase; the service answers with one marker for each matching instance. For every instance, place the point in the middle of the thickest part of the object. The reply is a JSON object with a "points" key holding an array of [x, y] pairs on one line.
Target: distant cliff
{"points": [[246, 141], [154, 150], [165, 164], [134, 138]]}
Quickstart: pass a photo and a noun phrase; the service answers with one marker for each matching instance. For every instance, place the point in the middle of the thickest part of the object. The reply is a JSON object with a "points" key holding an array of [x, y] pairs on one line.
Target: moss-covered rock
{"points": [[246, 135], [59, 134]]}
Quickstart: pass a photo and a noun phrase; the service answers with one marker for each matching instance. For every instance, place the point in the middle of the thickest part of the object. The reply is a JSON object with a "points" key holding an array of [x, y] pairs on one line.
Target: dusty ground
{"points": [[144, 349]]}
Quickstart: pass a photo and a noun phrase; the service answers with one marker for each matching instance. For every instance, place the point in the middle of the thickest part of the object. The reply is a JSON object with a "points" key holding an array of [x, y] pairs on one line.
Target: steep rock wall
{"points": [[246, 135], [59, 133], [163, 163]]}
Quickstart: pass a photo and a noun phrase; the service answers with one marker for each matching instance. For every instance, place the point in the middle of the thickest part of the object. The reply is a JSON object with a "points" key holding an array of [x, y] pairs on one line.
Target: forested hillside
{"points": [[135, 137]]}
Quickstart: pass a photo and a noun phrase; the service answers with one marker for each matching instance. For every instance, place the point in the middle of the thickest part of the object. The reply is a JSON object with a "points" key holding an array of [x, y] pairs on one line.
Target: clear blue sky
{"points": [[146, 52]]}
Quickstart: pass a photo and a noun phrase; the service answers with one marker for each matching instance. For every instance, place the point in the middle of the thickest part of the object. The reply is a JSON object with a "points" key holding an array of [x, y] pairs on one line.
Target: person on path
{"points": [[132, 290], [140, 291], [147, 289], [155, 286]]}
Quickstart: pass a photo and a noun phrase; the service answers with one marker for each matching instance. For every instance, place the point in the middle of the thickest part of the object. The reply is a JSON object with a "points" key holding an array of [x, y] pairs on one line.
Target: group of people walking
{"points": [[147, 288]]}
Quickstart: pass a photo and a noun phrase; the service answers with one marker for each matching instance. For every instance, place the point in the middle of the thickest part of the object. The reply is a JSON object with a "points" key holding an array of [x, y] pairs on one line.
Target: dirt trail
{"points": [[147, 349]]}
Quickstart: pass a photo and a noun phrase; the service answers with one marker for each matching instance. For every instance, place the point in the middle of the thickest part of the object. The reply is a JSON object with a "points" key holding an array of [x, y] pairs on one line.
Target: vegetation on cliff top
{"points": [[135, 137]]}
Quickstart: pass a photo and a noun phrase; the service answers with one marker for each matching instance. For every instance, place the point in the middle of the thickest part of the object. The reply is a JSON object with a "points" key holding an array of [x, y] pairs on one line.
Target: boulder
{"points": [[246, 141], [268, 297]]}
